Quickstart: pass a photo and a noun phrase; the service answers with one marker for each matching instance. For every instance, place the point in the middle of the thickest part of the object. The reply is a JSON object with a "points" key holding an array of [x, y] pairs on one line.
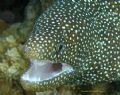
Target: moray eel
{"points": [[74, 42]]}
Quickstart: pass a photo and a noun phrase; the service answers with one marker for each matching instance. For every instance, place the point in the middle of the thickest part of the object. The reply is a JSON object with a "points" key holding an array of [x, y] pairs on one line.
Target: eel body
{"points": [[74, 42]]}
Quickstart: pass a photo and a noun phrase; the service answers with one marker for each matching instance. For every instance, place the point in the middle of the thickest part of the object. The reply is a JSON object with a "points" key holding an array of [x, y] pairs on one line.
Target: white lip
{"points": [[41, 70]]}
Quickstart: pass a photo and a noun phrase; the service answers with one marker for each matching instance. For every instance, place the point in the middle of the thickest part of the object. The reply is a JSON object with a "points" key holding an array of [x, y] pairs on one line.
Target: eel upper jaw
{"points": [[40, 71]]}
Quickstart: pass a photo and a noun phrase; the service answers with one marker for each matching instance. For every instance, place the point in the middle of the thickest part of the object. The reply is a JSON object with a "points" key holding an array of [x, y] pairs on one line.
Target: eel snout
{"points": [[44, 70]]}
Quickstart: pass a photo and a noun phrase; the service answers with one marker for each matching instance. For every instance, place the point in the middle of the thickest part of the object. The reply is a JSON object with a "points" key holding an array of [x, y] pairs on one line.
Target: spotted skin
{"points": [[88, 32]]}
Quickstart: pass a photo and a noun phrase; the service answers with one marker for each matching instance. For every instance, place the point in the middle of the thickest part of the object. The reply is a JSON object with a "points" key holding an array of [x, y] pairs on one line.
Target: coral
{"points": [[12, 60]]}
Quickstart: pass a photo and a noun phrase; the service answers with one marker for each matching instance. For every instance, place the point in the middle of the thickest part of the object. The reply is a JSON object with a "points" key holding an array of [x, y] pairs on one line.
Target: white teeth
{"points": [[38, 62]]}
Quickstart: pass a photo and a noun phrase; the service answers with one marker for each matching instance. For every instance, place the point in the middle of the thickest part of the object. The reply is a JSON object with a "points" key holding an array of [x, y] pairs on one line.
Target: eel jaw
{"points": [[45, 75]]}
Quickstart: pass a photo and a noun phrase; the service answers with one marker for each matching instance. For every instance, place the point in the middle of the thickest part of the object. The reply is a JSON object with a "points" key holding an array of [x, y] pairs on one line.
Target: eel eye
{"points": [[59, 48]]}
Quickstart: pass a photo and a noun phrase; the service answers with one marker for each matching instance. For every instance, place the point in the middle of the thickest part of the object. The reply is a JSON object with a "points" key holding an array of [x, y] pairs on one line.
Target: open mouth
{"points": [[45, 75]]}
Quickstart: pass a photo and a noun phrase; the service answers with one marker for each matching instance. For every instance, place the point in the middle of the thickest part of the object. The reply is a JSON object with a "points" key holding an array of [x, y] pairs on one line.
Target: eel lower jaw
{"points": [[42, 74]]}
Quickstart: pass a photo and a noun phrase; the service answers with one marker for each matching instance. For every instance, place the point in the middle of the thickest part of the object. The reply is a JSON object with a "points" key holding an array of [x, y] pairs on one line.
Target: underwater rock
{"points": [[12, 59], [11, 41], [46, 4], [13, 11], [3, 26], [7, 16], [33, 8]]}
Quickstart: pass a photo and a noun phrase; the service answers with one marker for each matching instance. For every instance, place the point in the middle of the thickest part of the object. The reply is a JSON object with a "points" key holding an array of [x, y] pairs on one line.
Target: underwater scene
{"points": [[59, 47]]}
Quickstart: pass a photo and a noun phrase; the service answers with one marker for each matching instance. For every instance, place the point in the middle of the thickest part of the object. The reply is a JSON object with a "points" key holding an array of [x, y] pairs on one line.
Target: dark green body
{"points": [[82, 33]]}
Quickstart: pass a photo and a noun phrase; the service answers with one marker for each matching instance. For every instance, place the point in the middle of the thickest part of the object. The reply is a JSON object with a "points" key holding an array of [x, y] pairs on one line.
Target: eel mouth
{"points": [[42, 73]]}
